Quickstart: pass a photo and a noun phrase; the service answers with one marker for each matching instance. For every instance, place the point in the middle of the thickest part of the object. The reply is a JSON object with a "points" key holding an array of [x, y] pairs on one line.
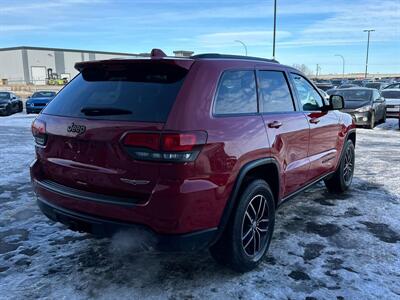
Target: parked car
{"points": [[324, 85], [337, 82], [10, 103], [395, 85], [392, 97], [367, 106], [358, 82], [347, 85], [38, 101], [376, 85], [199, 151]]}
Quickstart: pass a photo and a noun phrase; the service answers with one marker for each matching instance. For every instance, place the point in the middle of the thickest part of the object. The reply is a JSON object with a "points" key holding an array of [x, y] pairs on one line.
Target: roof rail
{"points": [[230, 56]]}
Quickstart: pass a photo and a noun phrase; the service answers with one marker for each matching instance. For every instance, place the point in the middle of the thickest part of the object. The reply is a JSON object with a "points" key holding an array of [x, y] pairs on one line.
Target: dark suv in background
{"points": [[198, 151]]}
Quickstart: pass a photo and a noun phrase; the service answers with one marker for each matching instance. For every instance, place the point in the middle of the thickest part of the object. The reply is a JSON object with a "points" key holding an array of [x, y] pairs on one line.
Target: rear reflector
{"points": [[165, 146], [39, 132]]}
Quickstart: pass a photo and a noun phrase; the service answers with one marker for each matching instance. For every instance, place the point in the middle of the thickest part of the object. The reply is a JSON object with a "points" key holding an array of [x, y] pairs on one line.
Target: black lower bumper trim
{"points": [[102, 227], [79, 194]]}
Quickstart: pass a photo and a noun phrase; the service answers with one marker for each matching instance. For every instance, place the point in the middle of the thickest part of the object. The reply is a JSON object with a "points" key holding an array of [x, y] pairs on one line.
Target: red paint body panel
{"points": [[186, 197]]}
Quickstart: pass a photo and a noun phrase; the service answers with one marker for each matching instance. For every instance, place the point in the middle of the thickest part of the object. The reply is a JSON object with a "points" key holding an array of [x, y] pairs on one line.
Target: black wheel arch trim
{"points": [[350, 131], [232, 201]]}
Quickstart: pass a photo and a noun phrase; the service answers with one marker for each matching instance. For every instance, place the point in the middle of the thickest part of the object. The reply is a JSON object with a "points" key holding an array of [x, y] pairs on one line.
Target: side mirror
{"points": [[336, 102]]}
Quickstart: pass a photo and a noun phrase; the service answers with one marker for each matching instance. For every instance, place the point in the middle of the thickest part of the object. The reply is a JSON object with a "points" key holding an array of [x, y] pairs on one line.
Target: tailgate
{"points": [[95, 160]]}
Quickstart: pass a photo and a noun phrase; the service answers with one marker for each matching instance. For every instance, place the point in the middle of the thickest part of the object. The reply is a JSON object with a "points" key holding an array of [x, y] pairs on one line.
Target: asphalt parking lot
{"points": [[324, 246]]}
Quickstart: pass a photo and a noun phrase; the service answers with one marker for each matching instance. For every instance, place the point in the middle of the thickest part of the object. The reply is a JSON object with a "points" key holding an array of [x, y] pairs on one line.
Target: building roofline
{"points": [[72, 50]]}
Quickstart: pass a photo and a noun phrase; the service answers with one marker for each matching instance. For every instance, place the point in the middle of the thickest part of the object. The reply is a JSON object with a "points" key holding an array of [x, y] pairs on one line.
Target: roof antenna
{"points": [[157, 53]]}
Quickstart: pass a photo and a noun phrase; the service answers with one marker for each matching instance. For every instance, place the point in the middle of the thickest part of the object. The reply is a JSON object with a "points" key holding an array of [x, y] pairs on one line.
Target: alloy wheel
{"points": [[255, 226], [348, 166]]}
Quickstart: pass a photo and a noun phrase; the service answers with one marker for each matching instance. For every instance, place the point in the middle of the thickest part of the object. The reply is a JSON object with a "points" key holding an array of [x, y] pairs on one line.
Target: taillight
{"points": [[182, 141], [165, 146], [143, 140], [39, 132]]}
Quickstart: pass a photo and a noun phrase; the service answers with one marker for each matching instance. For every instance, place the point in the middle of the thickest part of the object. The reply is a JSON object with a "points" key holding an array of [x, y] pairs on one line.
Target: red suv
{"points": [[198, 151]]}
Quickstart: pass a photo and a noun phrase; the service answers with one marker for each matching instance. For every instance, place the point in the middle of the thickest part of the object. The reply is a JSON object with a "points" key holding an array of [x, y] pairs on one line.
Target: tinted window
{"points": [[373, 85], [143, 93], [308, 96], [274, 92], [236, 93], [43, 94], [391, 94], [4, 95]]}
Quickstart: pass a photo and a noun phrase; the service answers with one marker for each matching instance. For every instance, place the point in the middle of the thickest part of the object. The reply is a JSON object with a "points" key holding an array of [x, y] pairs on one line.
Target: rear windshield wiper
{"points": [[104, 111]]}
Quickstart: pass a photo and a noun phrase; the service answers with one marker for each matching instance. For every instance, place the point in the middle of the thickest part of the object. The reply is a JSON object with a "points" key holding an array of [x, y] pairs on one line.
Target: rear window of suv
{"points": [[136, 92]]}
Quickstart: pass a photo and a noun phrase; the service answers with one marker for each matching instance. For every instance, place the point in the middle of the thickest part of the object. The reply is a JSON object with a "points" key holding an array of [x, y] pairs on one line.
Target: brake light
{"points": [[39, 132], [165, 146], [143, 140]]}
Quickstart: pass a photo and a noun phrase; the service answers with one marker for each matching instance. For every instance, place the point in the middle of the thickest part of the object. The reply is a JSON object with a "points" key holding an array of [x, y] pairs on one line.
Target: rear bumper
{"points": [[80, 222], [179, 219]]}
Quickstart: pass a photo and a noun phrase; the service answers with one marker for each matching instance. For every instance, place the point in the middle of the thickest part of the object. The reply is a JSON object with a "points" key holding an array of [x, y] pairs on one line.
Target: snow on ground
{"points": [[324, 246]]}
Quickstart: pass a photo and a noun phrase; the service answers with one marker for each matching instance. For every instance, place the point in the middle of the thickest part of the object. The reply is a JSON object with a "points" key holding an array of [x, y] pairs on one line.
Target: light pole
{"points": [[273, 42], [343, 64], [243, 44], [317, 71], [366, 61]]}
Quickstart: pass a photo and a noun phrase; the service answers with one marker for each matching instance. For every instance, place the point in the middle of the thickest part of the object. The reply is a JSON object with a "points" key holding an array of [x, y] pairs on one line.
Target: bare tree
{"points": [[303, 68]]}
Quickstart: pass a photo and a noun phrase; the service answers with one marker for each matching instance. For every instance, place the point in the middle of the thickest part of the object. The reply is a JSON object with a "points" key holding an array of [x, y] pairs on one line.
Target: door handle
{"points": [[275, 124], [314, 120]]}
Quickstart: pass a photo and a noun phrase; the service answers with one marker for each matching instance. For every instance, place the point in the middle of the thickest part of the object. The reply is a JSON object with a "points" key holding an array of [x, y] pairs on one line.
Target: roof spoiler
{"points": [[157, 53]]}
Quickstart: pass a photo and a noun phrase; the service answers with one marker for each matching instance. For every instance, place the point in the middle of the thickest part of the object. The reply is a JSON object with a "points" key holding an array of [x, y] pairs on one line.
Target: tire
{"points": [[384, 117], [341, 179], [372, 121], [8, 110], [20, 107], [244, 243]]}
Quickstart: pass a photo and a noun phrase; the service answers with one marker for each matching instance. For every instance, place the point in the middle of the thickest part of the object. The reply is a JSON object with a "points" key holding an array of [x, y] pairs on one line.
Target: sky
{"points": [[309, 32]]}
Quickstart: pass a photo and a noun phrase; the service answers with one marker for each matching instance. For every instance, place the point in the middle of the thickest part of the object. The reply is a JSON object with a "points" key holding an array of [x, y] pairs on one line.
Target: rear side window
{"points": [[274, 91], [236, 93], [139, 92]]}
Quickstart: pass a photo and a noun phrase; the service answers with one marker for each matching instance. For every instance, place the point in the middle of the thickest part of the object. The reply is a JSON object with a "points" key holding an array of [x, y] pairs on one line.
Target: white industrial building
{"points": [[34, 65]]}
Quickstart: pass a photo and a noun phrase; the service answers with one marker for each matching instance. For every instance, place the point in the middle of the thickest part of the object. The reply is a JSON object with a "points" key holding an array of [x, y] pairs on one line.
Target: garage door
{"points": [[38, 75]]}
